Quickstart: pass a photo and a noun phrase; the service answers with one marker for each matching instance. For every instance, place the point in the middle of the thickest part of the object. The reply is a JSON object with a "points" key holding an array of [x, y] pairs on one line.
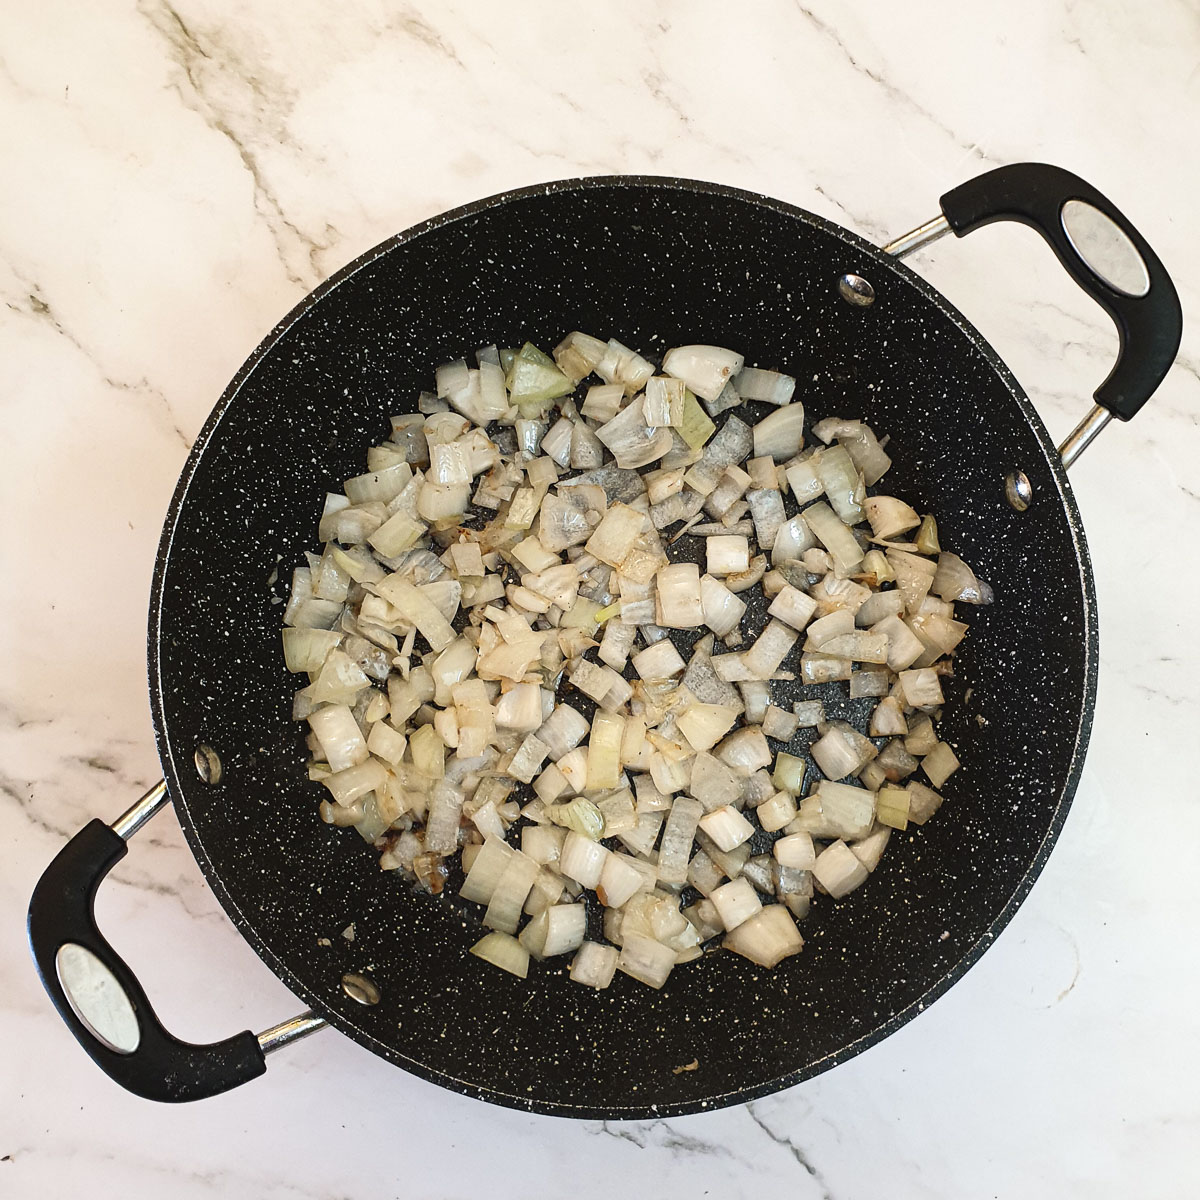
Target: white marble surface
{"points": [[176, 178]]}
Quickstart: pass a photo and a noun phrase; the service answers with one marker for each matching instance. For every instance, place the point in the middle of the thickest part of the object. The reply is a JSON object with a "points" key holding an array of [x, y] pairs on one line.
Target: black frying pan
{"points": [[654, 262]]}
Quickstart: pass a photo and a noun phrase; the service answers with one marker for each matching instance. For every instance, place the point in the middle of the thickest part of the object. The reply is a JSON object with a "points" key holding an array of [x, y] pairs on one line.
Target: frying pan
{"points": [[653, 262]]}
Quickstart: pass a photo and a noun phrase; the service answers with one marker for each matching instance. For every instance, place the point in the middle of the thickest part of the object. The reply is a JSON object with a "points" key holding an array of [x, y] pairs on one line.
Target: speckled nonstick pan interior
{"points": [[653, 262]]}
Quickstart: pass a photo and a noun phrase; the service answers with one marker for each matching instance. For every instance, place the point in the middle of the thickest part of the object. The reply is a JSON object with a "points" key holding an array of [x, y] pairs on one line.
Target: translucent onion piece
{"points": [[705, 369]]}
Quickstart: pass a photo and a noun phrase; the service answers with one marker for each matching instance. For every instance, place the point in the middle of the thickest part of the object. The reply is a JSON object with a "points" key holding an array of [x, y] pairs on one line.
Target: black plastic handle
{"points": [[1150, 326], [161, 1067]]}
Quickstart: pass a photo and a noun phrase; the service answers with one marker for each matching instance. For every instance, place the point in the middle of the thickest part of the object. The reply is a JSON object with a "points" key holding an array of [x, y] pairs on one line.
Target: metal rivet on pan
{"points": [[208, 765], [1018, 491], [854, 289], [360, 988]]}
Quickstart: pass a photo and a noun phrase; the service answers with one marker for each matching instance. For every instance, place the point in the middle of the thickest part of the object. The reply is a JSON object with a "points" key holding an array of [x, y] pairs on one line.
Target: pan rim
{"points": [[177, 761]]}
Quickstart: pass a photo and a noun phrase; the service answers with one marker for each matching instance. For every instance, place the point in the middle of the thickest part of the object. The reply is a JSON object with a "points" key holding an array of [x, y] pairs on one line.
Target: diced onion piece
{"points": [[579, 815], [341, 740], [534, 379], [780, 724], [486, 871], [771, 387], [769, 650], [745, 751], [660, 391], [355, 782], [888, 720], [730, 446], [603, 402], [604, 751], [678, 833], [503, 951], [386, 743], [838, 870], [795, 851], [563, 730], [776, 811], [903, 646], [860, 645], [557, 930], [939, 764], [781, 434], [727, 827], [594, 964], [582, 859], [619, 364], [913, 577], [922, 687], [307, 649], [836, 810], [766, 938], [615, 535], [705, 369], [546, 892], [736, 901], [542, 843], [632, 441], [720, 608], [802, 478], [659, 661], [646, 960], [954, 580], [834, 536], [923, 802], [891, 807], [705, 724], [756, 697], [691, 422], [619, 881], [678, 596], [577, 355], [766, 507], [841, 751], [841, 482], [788, 775], [727, 555]]}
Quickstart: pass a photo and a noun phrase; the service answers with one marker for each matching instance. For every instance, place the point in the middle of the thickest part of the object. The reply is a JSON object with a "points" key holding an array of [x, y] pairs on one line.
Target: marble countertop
{"points": [[176, 177]]}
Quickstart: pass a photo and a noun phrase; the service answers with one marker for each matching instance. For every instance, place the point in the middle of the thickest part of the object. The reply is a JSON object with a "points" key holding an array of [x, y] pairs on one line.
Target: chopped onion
{"points": [[727, 827], [594, 964], [646, 960], [781, 434], [678, 598], [836, 810], [841, 482], [705, 369], [735, 902], [939, 764], [433, 655], [834, 535], [659, 661], [582, 859], [557, 930], [745, 751], [720, 609], [705, 724], [766, 938], [634, 442], [954, 580], [503, 951], [838, 871], [771, 387], [727, 555], [341, 740]]}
